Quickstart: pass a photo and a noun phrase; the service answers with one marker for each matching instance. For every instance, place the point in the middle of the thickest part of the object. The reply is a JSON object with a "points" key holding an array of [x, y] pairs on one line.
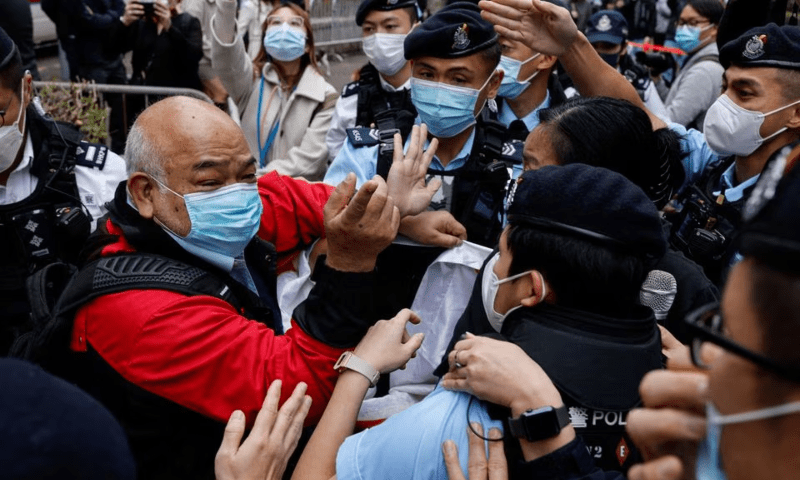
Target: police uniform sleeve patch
{"points": [[350, 89], [363, 137], [91, 155]]}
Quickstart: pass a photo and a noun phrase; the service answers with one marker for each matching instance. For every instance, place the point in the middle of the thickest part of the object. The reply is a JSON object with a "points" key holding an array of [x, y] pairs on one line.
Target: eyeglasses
{"points": [[706, 325], [276, 21], [695, 22]]}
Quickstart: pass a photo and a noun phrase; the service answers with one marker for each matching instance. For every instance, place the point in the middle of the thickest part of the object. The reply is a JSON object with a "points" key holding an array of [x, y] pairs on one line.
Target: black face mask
{"points": [[610, 58]]}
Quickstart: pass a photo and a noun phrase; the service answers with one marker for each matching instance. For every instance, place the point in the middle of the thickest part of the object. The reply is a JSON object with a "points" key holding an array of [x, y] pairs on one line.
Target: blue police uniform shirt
{"points": [[531, 120], [700, 156], [408, 445]]}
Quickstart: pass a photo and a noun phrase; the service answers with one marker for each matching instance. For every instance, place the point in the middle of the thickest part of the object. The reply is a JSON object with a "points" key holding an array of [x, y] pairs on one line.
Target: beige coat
{"points": [[299, 148]]}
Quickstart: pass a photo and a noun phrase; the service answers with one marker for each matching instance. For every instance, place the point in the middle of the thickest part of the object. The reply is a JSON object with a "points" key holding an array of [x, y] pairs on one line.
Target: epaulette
{"points": [[363, 137], [92, 155], [512, 151], [350, 89]]}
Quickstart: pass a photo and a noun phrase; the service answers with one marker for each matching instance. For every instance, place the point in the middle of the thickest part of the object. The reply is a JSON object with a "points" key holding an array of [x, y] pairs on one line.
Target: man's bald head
{"points": [[174, 124]]}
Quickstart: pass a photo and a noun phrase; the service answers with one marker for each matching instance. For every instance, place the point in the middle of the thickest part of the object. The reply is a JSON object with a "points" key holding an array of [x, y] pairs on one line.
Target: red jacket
{"points": [[197, 351]]}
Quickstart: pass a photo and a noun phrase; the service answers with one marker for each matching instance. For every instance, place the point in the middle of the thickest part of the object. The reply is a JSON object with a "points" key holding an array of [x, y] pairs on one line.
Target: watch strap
{"points": [[350, 361], [518, 427]]}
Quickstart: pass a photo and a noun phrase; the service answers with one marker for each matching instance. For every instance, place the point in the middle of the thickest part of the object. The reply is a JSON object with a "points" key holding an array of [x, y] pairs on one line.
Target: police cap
{"points": [[589, 203], [607, 26], [383, 5], [455, 31], [8, 49], [767, 46], [771, 233]]}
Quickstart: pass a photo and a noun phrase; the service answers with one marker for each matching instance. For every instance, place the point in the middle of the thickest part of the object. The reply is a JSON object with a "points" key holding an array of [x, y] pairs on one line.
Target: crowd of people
{"points": [[530, 239]]}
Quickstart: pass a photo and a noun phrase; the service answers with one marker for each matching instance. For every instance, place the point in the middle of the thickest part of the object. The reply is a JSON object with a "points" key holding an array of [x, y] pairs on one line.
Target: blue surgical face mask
{"points": [[445, 109], [223, 221], [511, 87], [688, 38], [709, 465], [285, 43]]}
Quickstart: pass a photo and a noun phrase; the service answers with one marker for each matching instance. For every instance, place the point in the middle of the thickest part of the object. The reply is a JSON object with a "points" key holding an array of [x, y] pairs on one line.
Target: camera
{"points": [[697, 235], [149, 7]]}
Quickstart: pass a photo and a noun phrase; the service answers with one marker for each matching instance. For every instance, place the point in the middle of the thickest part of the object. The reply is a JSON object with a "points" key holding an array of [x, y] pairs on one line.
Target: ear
{"points": [[494, 84], [539, 291], [142, 190], [27, 88], [547, 61], [794, 120]]}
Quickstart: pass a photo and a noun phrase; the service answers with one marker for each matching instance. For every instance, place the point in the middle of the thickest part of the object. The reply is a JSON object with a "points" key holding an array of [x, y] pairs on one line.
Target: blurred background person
{"points": [[699, 81], [252, 15], [284, 101], [16, 20], [203, 10]]}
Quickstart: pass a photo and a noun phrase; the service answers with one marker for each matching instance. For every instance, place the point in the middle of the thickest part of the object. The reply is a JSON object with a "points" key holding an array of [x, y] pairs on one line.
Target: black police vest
{"points": [[50, 224], [474, 193], [706, 225]]}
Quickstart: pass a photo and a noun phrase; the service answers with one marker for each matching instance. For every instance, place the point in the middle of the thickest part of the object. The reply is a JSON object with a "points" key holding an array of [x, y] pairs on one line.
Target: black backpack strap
{"points": [[139, 271]]}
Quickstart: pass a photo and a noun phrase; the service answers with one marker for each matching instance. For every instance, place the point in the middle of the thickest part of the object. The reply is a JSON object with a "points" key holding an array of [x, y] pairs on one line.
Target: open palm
{"points": [[544, 27]]}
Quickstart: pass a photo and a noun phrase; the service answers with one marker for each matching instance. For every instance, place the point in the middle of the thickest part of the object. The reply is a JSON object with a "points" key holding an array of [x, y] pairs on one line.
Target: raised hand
{"points": [[387, 345], [163, 17], [543, 27], [133, 11], [437, 228], [360, 226], [406, 179], [267, 449]]}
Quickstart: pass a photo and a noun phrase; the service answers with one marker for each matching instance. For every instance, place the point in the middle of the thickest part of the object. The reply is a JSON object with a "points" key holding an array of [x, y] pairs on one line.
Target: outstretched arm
{"points": [[549, 29], [386, 347]]}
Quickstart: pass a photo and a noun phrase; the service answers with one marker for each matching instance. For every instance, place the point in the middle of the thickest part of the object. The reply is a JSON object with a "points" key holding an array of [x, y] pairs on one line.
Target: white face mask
{"points": [[11, 138], [732, 130], [385, 51], [489, 287]]}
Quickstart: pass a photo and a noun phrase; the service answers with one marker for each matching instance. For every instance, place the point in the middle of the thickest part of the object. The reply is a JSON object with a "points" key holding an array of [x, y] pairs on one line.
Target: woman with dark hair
{"points": [[284, 102], [699, 81], [610, 133], [617, 135]]}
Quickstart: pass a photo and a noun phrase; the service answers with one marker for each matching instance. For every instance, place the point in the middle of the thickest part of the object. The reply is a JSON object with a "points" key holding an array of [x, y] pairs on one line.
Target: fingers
{"points": [[651, 430], [664, 468], [341, 196], [355, 210], [269, 410], [455, 228], [232, 437], [450, 452], [414, 146], [289, 411], [682, 390], [476, 466], [498, 466], [296, 427]]}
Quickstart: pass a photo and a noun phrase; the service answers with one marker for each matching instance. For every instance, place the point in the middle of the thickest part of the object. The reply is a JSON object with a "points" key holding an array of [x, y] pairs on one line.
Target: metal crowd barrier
{"points": [[125, 90], [334, 22]]}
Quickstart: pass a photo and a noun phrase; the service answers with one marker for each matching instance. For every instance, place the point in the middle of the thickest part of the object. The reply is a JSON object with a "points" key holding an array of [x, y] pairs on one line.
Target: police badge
{"points": [[604, 24], [754, 47], [461, 37]]}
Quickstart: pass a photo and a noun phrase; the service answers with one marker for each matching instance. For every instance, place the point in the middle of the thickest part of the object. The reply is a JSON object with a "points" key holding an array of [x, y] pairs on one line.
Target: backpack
{"points": [[57, 291]]}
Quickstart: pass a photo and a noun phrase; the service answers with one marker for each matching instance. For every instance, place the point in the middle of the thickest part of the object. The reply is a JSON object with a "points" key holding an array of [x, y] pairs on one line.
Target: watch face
{"points": [[542, 423]]}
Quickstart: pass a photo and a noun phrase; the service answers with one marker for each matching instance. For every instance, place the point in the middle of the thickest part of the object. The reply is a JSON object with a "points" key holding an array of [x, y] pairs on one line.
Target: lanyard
{"points": [[263, 150]]}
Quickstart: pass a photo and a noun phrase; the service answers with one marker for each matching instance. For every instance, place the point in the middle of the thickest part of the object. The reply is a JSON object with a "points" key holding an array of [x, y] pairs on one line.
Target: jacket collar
{"points": [[311, 84]]}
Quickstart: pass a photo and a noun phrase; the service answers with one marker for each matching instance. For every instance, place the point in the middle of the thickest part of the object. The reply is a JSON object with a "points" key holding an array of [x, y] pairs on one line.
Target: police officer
{"points": [[529, 85], [52, 186], [380, 96], [757, 114], [454, 57], [607, 31]]}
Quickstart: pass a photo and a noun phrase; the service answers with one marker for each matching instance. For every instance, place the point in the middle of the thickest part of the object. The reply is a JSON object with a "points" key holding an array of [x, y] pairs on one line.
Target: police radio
{"points": [[697, 235]]}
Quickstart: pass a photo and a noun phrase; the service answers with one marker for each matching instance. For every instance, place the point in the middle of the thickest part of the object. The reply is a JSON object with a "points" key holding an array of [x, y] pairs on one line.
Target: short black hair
{"points": [[790, 84], [584, 275], [710, 9], [617, 135], [412, 14], [11, 76], [492, 55]]}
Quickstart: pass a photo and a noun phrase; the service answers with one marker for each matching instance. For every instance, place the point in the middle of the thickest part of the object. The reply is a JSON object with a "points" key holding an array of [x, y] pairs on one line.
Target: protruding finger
{"points": [[450, 452], [340, 196], [232, 437], [664, 468], [413, 145], [289, 411], [682, 390], [652, 429], [296, 427], [357, 207], [498, 466], [476, 466], [269, 410]]}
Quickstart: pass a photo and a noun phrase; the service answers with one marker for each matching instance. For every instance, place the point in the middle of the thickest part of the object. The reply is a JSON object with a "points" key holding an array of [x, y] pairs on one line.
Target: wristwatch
{"points": [[539, 424], [350, 361]]}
